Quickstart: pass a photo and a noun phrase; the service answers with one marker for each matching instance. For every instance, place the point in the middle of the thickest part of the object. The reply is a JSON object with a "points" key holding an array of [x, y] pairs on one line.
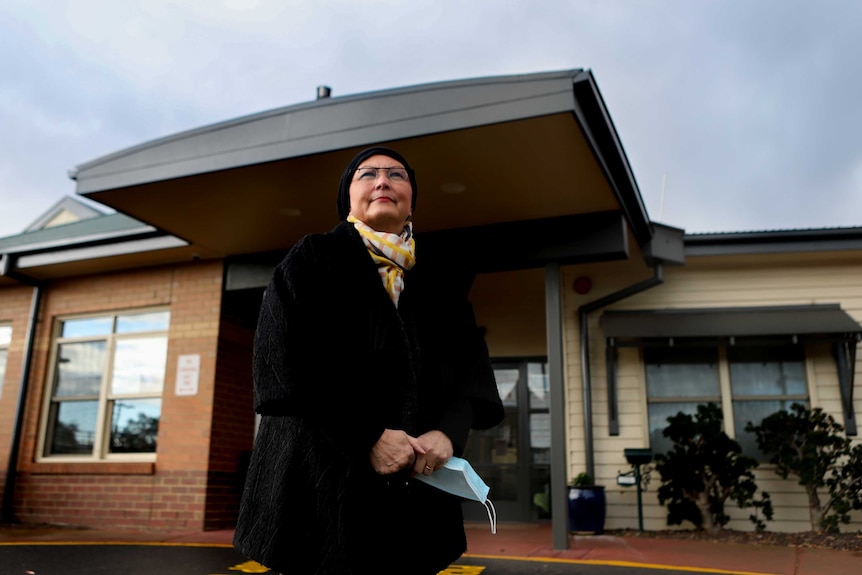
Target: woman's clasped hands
{"points": [[396, 450]]}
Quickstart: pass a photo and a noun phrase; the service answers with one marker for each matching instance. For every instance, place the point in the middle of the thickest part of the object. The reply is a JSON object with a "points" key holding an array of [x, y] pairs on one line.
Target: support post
{"points": [[556, 389]]}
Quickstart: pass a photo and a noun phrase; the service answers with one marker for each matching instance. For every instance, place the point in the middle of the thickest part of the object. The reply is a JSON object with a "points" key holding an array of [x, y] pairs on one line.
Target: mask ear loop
{"points": [[492, 515]]}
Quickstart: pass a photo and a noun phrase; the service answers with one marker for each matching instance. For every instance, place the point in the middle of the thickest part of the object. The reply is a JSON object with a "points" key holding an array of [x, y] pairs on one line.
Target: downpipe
{"points": [[583, 318]]}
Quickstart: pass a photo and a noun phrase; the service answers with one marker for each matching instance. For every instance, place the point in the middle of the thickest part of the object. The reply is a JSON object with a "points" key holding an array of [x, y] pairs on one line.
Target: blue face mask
{"points": [[460, 479]]}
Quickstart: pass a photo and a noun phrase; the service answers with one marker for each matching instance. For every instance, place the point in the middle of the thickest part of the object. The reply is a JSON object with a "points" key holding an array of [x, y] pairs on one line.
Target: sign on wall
{"points": [[188, 373]]}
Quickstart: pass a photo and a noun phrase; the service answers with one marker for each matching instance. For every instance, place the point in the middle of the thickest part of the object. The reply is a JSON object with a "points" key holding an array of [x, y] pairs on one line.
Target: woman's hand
{"points": [[394, 451], [436, 451]]}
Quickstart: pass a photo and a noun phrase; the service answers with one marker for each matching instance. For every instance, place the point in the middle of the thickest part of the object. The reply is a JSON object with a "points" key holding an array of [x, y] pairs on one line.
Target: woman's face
{"points": [[381, 198]]}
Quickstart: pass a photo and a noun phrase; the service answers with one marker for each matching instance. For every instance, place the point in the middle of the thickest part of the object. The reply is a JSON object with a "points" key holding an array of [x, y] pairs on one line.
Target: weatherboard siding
{"points": [[745, 281]]}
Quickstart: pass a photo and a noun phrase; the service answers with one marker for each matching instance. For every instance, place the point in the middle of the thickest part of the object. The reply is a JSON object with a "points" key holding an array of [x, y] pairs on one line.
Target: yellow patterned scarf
{"points": [[394, 254]]}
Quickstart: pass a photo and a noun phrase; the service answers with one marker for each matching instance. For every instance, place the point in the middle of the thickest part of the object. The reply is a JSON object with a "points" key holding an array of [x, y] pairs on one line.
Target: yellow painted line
{"points": [[462, 570], [619, 564], [250, 567]]}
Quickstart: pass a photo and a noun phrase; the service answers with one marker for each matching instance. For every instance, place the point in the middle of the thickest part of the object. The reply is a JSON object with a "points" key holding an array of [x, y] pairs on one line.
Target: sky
{"points": [[735, 115]]}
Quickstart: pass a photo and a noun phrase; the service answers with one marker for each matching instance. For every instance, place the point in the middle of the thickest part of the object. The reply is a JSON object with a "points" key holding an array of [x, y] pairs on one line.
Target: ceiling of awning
{"points": [[485, 152]]}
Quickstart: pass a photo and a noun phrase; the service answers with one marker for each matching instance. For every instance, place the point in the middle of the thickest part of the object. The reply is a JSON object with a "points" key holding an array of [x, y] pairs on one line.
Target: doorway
{"points": [[514, 458]]}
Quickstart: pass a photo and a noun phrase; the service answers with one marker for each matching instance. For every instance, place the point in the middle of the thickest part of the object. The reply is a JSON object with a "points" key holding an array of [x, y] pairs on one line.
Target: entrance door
{"points": [[514, 457]]}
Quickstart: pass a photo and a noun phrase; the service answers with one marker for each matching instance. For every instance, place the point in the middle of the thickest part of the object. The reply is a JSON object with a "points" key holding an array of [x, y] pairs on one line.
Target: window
{"points": [[750, 382], [5, 340], [764, 380], [106, 386], [678, 379]]}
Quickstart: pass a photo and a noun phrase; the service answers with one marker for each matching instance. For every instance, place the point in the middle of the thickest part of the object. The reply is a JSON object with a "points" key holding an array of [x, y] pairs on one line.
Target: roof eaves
{"points": [[324, 102], [331, 125], [600, 132]]}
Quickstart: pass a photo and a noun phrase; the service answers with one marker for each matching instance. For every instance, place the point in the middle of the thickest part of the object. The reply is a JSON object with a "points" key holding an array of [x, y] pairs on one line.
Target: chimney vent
{"points": [[323, 92]]}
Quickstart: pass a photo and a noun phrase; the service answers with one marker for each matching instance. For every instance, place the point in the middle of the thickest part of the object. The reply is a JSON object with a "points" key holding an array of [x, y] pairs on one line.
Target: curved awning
{"points": [[517, 148]]}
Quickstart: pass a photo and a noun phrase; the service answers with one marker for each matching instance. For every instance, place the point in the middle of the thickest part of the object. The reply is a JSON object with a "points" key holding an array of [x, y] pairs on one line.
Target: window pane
{"points": [[537, 382], [135, 425], [139, 365], [754, 411], [681, 372], [503, 481], [155, 321], [767, 371], [507, 385], [540, 433], [658, 414], [86, 326], [73, 428], [5, 334], [79, 369]]}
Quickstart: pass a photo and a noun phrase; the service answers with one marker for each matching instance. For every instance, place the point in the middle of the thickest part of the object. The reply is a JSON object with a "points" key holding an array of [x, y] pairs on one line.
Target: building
{"points": [[127, 336]]}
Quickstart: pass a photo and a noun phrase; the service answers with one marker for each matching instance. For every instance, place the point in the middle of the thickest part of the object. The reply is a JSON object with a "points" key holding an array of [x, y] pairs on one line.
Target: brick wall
{"points": [[15, 304], [233, 430], [166, 500], [170, 494]]}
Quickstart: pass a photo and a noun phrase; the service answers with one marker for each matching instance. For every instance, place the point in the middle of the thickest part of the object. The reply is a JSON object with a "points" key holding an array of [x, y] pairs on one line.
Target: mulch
{"points": [[838, 541]]}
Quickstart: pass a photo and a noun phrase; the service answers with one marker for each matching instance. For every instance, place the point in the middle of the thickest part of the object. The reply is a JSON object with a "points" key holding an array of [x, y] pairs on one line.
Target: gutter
{"points": [[7, 511], [583, 313]]}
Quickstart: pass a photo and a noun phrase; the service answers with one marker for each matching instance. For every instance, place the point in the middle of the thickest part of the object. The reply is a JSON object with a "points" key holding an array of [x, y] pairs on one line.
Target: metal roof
{"points": [[330, 124], [774, 241], [88, 230], [96, 244]]}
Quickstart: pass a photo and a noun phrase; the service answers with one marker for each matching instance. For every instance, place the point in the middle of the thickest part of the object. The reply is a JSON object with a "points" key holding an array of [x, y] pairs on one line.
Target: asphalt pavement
{"points": [[517, 548], [192, 559]]}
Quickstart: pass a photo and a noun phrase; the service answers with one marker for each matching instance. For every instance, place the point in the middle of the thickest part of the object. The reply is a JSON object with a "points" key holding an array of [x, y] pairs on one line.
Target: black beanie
{"points": [[343, 200]]}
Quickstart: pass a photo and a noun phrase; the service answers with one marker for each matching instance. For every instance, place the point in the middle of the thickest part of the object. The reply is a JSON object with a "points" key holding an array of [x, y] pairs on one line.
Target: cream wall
{"points": [[511, 308], [703, 282]]}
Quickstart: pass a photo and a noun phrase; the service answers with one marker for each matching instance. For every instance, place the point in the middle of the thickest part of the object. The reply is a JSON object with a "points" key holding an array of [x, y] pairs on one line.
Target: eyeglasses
{"points": [[369, 174]]}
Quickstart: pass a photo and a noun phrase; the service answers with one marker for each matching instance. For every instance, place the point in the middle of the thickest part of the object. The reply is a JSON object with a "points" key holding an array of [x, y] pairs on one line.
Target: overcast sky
{"points": [[750, 110]]}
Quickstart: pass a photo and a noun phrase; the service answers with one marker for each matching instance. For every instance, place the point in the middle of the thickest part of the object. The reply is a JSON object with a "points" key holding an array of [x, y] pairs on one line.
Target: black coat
{"points": [[334, 365]]}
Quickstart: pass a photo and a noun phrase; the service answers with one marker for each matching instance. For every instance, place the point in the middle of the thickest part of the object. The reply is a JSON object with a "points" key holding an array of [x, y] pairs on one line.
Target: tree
{"points": [[809, 444], [704, 469]]}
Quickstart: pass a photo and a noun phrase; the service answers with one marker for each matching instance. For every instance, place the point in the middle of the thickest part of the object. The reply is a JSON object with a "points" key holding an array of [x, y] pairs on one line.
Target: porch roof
{"points": [[486, 151]]}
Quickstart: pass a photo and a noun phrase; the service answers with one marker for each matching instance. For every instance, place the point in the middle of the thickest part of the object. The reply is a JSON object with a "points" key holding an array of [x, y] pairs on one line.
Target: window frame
{"points": [[101, 449]]}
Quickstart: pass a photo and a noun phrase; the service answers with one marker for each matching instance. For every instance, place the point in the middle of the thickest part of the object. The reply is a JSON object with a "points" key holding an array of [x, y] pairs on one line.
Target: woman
{"points": [[368, 370]]}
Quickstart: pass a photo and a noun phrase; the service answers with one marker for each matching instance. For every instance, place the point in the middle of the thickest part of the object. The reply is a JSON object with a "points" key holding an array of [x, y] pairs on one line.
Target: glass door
{"points": [[514, 457]]}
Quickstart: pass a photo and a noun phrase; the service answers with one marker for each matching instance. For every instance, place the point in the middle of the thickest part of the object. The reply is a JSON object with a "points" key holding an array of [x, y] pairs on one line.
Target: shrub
{"points": [[582, 480], [809, 444], [704, 469]]}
